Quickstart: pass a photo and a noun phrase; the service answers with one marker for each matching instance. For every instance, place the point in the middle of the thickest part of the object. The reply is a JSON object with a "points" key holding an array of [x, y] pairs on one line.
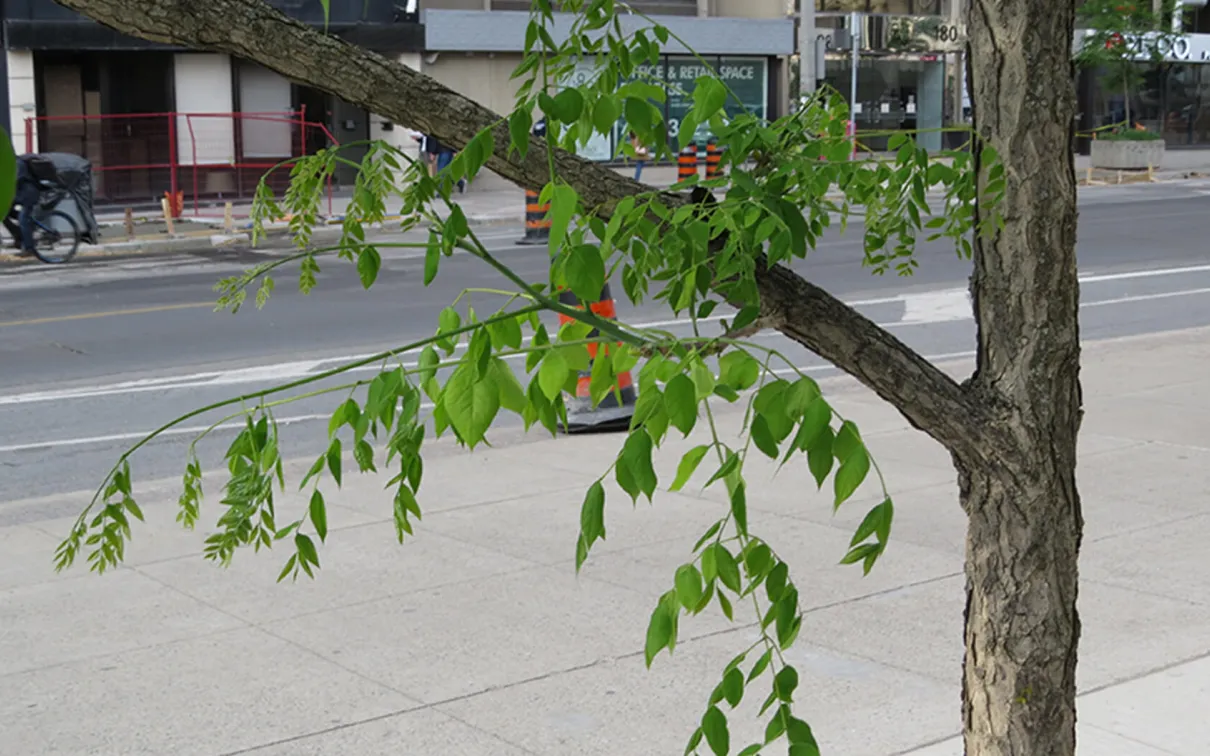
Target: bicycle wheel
{"points": [[56, 237]]}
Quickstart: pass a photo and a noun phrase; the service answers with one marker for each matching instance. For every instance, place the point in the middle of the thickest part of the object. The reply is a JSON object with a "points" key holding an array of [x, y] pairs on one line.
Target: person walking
{"points": [[640, 155]]}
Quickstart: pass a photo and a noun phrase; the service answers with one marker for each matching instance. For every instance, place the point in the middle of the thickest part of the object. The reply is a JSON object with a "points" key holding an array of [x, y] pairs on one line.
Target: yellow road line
{"points": [[105, 314]]}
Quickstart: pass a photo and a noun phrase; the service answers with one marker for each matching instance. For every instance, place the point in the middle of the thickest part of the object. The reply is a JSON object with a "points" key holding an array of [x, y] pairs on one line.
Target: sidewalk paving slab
{"points": [[477, 637]]}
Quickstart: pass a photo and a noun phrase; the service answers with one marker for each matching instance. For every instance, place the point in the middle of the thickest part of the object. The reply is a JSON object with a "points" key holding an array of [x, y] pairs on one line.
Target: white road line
{"points": [[1145, 297], [194, 430], [947, 305], [1145, 274], [181, 431]]}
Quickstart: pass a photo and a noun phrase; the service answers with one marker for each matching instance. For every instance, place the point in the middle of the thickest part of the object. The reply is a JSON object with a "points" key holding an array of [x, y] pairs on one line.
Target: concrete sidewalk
{"points": [[477, 638]]}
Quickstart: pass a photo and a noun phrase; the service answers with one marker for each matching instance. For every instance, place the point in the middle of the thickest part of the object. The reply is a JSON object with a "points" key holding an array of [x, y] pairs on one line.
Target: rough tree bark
{"points": [[1011, 428], [1025, 525]]}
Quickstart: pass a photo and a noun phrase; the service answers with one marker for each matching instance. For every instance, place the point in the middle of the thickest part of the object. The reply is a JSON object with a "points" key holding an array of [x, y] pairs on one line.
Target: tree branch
{"points": [[805, 313]]}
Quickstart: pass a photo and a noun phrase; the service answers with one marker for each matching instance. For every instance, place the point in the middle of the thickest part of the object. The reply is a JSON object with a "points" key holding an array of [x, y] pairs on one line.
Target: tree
{"points": [[1011, 427], [1121, 34]]}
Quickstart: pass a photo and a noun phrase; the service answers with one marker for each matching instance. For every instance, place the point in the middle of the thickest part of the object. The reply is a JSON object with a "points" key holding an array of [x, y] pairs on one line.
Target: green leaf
{"points": [[819, 456], [785, 683], [761, 665], [714, 725], [8, 170], [319, 515], [605, 114], [877, 521], [775, 583], [470, 404], [636, 457], [659, 632], [585, 272], [592, 517], [638, 114], [848, 441], [763, 437], [739, 507], [739, 370], [729, 466], [567, 105], [689, 586], [432, 259], [709, 96], [512, 395], [562, 208], [725, 604], [733, 687], [368, 264], [851, 474], [801, 738], [751, 750], [334, 460], [306, 550], [519, 125], [688, 466], [680, 401], [694, 741], [728, 569], [804, 749], [867, 552], [687, 131], [552, 376]]}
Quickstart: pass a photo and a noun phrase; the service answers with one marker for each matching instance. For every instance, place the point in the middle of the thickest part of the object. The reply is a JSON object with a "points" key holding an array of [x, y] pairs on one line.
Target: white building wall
{"points": [[22, 95], [399, 136], [265, 94], [203, 86]]}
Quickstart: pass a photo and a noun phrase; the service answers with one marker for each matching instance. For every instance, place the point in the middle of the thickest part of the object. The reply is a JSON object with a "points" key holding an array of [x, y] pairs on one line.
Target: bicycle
{"points": [[56, 234]]}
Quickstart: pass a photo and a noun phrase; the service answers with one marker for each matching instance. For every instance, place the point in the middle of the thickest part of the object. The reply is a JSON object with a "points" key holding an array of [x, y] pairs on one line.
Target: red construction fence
{"points": [[209, 158]]}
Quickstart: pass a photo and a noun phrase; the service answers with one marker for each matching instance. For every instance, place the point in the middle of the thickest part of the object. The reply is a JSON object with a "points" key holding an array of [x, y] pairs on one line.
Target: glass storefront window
{"points": [[1173, 100], [895, 95]]}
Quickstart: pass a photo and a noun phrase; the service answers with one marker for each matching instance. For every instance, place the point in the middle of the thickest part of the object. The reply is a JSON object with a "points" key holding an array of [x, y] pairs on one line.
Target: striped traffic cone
{"points": [[537, 226], [686, 163], [714, 159], [611, 414]]}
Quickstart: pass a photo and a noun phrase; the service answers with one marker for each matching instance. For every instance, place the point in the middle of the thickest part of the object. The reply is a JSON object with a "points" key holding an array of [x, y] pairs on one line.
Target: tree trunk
{"points": [[1024, 513], [1021, 622]]}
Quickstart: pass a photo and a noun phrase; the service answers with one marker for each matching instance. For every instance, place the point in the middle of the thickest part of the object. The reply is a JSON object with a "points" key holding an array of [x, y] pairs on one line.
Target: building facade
{"points": [[473, 46], [153, 118], [911, 68], [1173, 99]]}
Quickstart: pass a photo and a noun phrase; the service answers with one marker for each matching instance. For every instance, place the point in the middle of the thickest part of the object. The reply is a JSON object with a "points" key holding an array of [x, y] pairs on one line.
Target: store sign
{"points": [[747, 78], [1190, 48]]}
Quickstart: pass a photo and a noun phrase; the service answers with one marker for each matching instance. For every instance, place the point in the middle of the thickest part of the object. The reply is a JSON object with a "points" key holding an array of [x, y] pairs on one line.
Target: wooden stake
{"points": [[1150, 173], [167, 208], [228, 218], [129, 223], [1089, 179]]}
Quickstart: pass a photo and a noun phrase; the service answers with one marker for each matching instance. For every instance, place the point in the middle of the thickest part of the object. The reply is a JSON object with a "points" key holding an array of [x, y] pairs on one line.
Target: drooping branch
{"points": [[252, 30]]}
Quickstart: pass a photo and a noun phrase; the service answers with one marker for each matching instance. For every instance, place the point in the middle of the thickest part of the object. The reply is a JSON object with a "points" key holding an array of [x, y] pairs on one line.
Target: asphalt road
{"points": [[94, 355]]}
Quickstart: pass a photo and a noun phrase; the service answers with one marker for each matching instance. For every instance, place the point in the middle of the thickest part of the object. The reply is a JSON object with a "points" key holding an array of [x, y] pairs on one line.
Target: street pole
{"points": [[807, 75], [854, 40]]}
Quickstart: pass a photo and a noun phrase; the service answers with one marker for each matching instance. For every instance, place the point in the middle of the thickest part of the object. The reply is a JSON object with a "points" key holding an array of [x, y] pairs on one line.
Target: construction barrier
{"points": [[611, 414], [537, 225], [714, 160], [686, 163]]}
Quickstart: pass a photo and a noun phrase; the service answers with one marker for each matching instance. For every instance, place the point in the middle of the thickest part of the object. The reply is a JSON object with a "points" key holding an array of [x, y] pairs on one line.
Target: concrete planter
{"points": [[1127, 155]]}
